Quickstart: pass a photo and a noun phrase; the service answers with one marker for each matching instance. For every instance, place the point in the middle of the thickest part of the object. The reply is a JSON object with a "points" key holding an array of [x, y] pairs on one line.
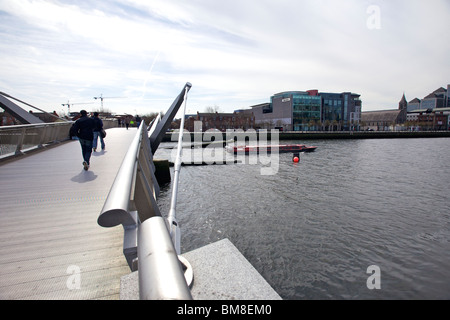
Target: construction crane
{"points": [[102, 97], [68, 104]]}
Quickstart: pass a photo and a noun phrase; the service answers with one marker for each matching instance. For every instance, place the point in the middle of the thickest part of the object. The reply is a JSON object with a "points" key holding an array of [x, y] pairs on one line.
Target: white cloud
{"points": [[235, 53]]}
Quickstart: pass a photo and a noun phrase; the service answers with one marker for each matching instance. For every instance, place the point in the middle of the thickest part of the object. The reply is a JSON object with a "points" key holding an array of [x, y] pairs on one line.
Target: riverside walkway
{"points": [[51, 244]]}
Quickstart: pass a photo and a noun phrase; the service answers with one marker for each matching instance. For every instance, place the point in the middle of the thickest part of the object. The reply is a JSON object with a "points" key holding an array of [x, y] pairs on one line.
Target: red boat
{"points": [[284, 148]]}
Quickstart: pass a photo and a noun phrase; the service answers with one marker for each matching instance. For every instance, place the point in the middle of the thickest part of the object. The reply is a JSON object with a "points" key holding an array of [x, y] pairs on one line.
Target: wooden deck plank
{"points": [[56, 248], [99, 262], [93, 285], [113, 253], [48, 221]]}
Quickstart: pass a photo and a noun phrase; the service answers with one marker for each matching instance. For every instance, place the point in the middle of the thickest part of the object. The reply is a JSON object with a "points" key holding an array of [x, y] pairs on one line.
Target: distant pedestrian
{"points": [[84, 128], [138, 121], [127, 122], [97, 132]]}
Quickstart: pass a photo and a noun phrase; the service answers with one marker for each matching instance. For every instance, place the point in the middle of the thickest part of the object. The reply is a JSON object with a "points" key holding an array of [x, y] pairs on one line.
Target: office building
{"points": [[341, 111], [309, 111], [439, 98]]}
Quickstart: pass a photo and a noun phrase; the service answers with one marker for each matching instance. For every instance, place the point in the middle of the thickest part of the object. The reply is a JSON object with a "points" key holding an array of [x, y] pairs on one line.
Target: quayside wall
{"points": [[327, 135]]}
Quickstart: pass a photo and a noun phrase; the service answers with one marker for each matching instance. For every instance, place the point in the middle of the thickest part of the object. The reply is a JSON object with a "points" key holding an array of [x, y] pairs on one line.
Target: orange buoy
{"points": [[296, 159]]}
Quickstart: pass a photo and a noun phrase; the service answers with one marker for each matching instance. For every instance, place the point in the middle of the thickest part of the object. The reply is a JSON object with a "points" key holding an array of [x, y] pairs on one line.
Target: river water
{"points": [[314, 228]]}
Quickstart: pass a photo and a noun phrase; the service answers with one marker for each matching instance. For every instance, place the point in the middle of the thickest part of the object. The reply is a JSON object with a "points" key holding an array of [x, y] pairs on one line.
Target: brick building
{"points": [[240, 119], [429, 119], [385, 120]]}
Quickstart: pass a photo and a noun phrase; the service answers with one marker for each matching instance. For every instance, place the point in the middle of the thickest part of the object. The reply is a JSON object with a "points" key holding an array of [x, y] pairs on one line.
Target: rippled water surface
{"points": [[313, 229]]}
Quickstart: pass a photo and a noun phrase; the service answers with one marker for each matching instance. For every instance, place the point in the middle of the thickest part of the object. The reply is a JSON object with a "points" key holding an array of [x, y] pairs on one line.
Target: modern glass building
{"points": [[309, 111], [340, 111], [306, 111], [295, 110], [332, 110]]}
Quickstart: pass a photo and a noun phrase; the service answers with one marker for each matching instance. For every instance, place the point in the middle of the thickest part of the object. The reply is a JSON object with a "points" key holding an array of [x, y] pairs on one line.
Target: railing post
{"points": [[130, 243], [20, 141], [43, 136]]}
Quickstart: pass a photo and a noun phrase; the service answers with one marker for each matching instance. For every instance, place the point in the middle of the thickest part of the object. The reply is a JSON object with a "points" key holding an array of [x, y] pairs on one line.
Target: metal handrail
{"points": [[172, 220], [148, 246], [15, 140], [18, 139]]}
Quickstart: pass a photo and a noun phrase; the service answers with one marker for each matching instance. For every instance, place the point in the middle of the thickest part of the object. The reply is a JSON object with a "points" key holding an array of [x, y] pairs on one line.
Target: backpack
{"points": [[73, 132]]}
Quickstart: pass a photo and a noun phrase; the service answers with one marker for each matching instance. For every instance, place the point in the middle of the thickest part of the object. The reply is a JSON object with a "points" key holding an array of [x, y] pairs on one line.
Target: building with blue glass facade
{"points": [[309, 111], [341, 111]]}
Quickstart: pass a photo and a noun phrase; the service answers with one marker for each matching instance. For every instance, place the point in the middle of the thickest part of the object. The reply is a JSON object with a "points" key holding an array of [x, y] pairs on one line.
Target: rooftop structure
{"points": [[439, 98], [382, 120]]}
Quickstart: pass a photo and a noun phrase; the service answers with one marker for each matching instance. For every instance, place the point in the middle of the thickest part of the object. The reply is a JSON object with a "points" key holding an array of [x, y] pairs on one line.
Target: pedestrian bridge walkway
{"points": [[51, 244], [55, 245]]}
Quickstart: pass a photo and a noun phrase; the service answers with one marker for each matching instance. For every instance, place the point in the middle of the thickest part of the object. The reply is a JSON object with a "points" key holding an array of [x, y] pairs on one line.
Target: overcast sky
{"points": [[138, 54]]}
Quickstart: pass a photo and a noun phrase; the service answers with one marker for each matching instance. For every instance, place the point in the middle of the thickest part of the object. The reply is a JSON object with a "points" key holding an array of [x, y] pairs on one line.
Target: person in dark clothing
{"points": [[97, 129], [84, 128], [138, 121]]}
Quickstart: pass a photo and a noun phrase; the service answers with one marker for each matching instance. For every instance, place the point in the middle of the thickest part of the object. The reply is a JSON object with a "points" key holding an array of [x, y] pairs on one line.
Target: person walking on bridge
{"points": [[84, 128], [97, 132]]}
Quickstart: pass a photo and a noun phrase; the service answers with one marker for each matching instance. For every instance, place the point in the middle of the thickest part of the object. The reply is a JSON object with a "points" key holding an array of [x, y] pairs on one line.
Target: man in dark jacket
{"points": [[84, 128], [97, 132]]}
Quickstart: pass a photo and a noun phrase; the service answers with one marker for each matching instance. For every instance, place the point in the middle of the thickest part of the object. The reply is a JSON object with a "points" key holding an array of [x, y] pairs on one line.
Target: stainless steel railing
{"points": [[147, 243], [16, 140]]}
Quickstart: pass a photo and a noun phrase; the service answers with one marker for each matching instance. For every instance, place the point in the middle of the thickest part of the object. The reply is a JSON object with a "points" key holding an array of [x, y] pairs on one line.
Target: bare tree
{"points": [[212, 109]]}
